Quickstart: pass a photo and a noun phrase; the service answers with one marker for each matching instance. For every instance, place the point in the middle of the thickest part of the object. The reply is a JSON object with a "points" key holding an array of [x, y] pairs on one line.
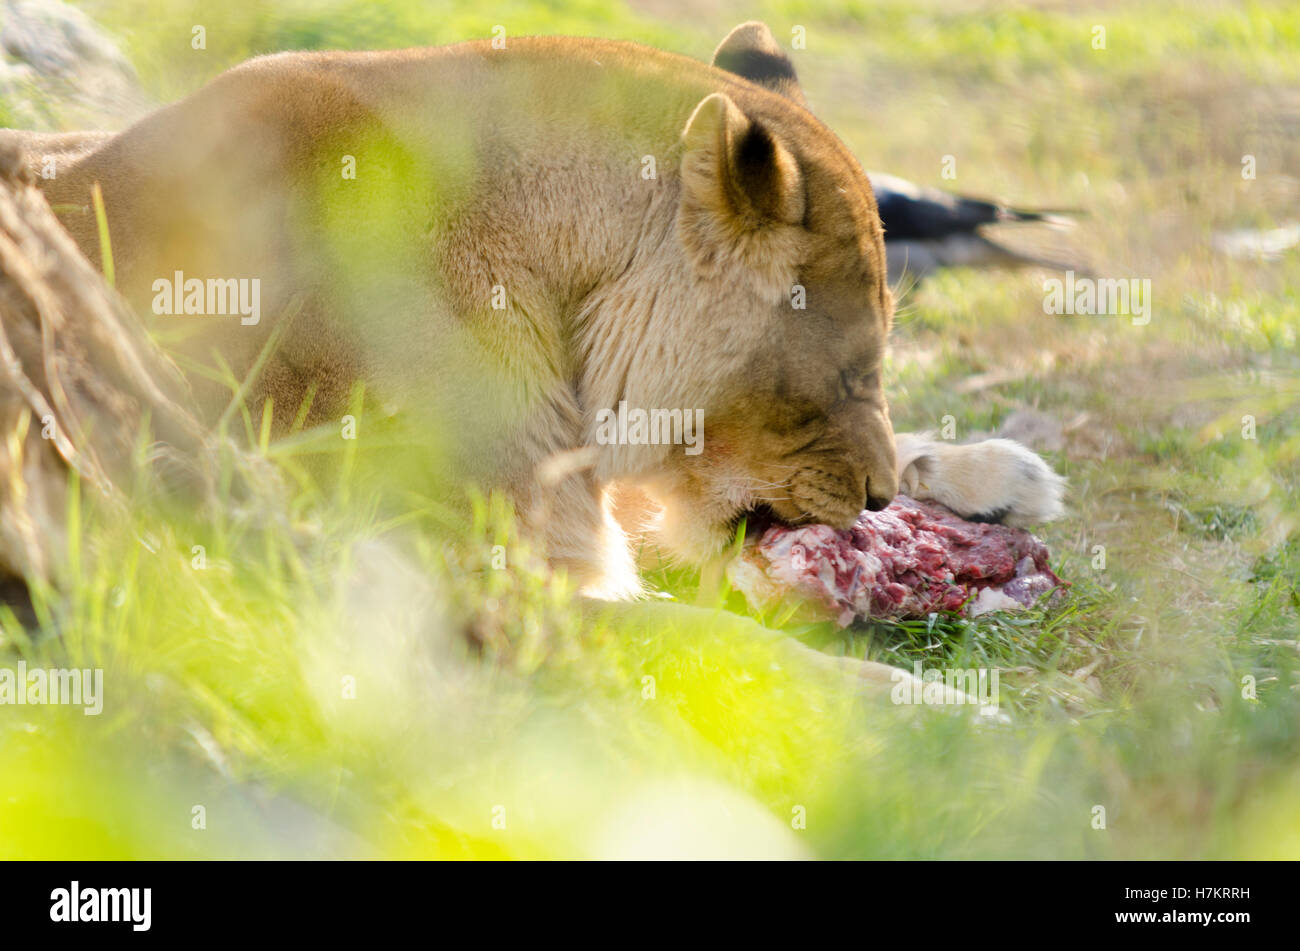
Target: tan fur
{"points": [[522, 168], [48, 153]]}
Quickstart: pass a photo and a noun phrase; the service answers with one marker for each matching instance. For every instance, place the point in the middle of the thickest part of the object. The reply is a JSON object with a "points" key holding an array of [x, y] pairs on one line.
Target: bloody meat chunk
{"points": [[907, 561]]}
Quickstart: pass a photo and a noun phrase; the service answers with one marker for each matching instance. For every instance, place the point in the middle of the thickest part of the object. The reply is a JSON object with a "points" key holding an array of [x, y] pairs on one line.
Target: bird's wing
{"points": [[912, 212]]}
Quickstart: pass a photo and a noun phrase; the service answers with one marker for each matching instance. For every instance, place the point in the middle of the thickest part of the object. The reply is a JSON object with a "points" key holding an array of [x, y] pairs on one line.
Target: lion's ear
{"points": [[751, 52], [737, 170], [742, 195]]}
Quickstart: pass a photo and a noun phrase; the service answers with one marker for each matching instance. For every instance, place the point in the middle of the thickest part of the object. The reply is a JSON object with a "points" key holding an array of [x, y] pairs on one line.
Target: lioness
{"points": [[512, 240]]}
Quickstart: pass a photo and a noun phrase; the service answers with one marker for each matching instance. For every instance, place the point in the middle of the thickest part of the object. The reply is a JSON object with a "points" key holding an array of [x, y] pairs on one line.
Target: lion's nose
{"points": [[877, 502]]}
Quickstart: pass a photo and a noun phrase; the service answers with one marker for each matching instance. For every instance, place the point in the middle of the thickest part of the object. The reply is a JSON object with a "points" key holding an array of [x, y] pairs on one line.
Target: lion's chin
{"points": [[693, 533], [699, 540], [698, 527]]}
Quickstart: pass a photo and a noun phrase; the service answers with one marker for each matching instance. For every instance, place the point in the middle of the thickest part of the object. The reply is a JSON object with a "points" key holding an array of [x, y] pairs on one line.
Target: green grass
{"points": [[226, 683]]}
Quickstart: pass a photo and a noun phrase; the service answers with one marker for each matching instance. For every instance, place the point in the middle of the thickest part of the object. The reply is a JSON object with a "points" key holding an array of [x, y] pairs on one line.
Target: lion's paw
{"points": [[996, 480]]}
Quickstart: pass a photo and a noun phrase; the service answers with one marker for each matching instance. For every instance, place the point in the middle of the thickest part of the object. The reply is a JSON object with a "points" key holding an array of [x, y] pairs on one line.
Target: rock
{"points": [[1038, 431], [1263, 245], [60, 70], [80, 374]]}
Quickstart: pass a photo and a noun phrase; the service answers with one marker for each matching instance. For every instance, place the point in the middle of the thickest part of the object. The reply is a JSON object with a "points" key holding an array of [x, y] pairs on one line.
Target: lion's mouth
{"points": [[758, 518], [755, 521]]}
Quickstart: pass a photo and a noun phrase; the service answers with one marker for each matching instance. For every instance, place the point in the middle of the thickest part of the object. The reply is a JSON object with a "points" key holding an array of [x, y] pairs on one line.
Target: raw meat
{"points": [[907, 561]]}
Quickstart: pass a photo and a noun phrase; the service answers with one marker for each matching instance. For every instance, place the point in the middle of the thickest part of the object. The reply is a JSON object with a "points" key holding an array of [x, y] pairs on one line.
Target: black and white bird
{"points": [[927, 229]]}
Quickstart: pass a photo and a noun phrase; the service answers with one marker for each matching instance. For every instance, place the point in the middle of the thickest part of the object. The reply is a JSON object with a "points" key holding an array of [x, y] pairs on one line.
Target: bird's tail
{"points": [[1052, 217]]}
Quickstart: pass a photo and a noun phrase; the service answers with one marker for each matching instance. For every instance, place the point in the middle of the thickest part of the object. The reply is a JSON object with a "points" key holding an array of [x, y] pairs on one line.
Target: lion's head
{"points": [[776, 320]]}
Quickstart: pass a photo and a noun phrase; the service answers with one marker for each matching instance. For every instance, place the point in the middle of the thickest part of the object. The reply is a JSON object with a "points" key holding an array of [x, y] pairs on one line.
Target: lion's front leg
{"points": [[995, 480], [563, 502], [583, 538]]}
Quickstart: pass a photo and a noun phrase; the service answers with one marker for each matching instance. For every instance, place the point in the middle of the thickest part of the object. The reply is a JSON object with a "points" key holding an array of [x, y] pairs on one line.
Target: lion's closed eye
{"points": [[856, 385], [807, 417]]}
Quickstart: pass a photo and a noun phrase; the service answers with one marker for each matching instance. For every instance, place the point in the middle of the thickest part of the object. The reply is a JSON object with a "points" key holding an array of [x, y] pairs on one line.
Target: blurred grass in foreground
{"points": [[226, 684]]}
